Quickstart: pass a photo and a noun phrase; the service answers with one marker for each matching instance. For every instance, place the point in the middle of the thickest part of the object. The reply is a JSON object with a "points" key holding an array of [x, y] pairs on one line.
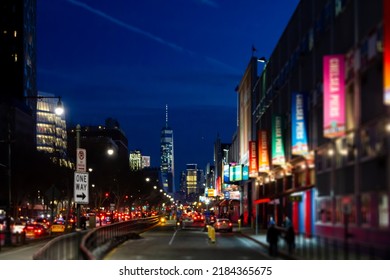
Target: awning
{"points": [[262, 200]]}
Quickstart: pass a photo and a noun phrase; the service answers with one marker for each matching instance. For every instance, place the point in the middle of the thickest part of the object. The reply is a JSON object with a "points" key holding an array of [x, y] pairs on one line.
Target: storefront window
{"points": [[383, 206], [345, 208], [324, 210], [365, 212]]}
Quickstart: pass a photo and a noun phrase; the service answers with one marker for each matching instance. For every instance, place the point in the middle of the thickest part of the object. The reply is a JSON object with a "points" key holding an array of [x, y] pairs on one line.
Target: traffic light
{"points": [[107, 194]]}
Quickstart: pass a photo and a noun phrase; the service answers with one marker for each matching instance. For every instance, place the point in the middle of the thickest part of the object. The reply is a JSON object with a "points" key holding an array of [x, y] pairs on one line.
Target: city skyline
{"points": [[127, 61]]}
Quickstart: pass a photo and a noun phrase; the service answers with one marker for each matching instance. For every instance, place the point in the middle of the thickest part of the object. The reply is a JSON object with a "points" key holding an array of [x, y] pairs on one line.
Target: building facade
{"points": [[17, 83], [51, 136], [320, 124]]}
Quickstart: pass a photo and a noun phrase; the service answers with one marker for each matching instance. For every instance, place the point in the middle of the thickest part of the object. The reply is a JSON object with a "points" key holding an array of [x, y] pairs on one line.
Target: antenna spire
{"points": [[166, 115]]}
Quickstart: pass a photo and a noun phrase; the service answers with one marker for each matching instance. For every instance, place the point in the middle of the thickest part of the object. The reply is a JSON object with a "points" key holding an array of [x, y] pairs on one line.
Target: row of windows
{"points": [[345, 207]]}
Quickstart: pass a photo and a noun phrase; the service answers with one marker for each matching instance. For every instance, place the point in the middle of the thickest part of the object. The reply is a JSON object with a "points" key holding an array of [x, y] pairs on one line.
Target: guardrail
{"points": [[94, 243]]}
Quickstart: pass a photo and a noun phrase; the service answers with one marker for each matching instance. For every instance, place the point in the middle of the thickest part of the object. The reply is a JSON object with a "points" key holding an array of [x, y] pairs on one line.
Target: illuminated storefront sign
{"points": [[263, 151], [252, 159], [298, 123], [334, 95], [245, 172], [235, 195], [238, 172], [226, 176], [278, 157], [235, 173], [386, 51]]}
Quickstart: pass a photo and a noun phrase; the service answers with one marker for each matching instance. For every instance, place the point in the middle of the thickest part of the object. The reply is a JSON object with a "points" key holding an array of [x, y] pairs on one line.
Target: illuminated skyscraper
{"points": [[167, 156], [51, 130]]}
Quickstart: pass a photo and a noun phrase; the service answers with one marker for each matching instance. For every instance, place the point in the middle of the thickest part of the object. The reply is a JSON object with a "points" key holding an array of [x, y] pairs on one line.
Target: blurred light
{"points": [[262, 59], [59, 110]]}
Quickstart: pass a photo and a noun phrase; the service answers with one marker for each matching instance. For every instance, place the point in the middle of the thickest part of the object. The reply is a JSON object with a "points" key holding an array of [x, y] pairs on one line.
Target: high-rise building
{"points": [[135, 160], [17, 83], [51, 130], [193, 182], [18, 50], [167, 157]]}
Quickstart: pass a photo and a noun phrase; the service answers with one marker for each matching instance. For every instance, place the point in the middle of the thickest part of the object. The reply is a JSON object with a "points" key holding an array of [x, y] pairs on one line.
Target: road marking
{"points": [[173, 237]]}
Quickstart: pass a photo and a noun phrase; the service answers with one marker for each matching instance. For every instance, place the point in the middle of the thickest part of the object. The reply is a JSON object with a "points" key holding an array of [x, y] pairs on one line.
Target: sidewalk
{"points": [[261, 239], [316, 248]]}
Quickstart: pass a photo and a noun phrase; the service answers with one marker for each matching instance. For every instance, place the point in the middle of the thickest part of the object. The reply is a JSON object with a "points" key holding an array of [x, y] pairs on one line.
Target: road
{"points": [[192, 243], [24, 252]]}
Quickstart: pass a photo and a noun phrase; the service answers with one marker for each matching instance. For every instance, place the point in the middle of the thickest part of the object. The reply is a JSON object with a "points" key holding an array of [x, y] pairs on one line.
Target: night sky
{"points": [[127, 59]]}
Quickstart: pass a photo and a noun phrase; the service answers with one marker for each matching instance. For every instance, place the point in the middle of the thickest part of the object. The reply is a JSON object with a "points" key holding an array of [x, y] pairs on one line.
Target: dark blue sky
{"points": [[127, 59]]}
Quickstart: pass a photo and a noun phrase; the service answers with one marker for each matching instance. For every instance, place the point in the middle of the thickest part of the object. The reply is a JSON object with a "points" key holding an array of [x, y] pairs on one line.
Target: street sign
{"points": [[81, 187], [81, 164]]}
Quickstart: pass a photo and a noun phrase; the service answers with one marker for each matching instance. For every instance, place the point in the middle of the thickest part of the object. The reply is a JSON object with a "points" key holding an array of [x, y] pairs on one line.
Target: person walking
{"points": [[289, 235], [272, 239]]}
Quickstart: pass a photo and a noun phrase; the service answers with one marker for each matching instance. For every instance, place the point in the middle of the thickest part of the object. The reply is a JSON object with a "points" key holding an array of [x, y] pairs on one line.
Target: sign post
{"points": [[81, 188], [81, 160]]}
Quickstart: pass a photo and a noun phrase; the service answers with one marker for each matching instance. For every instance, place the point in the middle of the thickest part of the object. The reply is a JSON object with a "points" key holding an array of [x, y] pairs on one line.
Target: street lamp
{"points": [[58, 110], [262, 60]]}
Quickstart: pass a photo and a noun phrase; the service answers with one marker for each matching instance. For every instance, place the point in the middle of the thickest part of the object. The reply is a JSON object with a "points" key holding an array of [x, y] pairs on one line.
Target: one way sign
{"points": [[81, 188]]}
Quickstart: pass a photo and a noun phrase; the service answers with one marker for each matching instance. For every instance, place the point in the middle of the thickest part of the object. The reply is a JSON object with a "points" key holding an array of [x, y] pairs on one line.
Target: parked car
{"points": [[223, 224]]}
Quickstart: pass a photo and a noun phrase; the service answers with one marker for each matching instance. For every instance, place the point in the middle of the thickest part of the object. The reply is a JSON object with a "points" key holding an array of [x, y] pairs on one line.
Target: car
{"points": [[18, 227], [58, 226], [198, 218], [223, 224], [35, 230]]}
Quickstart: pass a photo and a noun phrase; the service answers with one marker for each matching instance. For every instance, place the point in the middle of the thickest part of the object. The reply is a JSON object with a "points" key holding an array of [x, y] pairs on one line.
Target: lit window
{"points": [[383, 210]]}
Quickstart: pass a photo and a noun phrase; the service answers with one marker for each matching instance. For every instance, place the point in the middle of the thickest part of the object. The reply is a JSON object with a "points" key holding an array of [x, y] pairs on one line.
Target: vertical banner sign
{"points": [[81, 162], [334, 95], [278, 157], [386, 51], [263, 151], [299, 134], [252, 159]]}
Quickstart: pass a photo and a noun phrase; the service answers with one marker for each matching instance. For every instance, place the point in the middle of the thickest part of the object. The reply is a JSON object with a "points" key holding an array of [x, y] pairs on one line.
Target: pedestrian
{"points": [[290, 239], [272, 239], [289, 234]]}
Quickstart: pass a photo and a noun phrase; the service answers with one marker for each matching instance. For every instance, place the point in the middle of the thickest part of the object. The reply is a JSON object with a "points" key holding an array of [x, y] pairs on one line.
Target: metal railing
{"points": [[94, 243]]}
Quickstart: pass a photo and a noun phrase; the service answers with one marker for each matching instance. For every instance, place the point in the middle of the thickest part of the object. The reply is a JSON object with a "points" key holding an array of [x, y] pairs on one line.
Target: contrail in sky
{"points": [[144, 33]]}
